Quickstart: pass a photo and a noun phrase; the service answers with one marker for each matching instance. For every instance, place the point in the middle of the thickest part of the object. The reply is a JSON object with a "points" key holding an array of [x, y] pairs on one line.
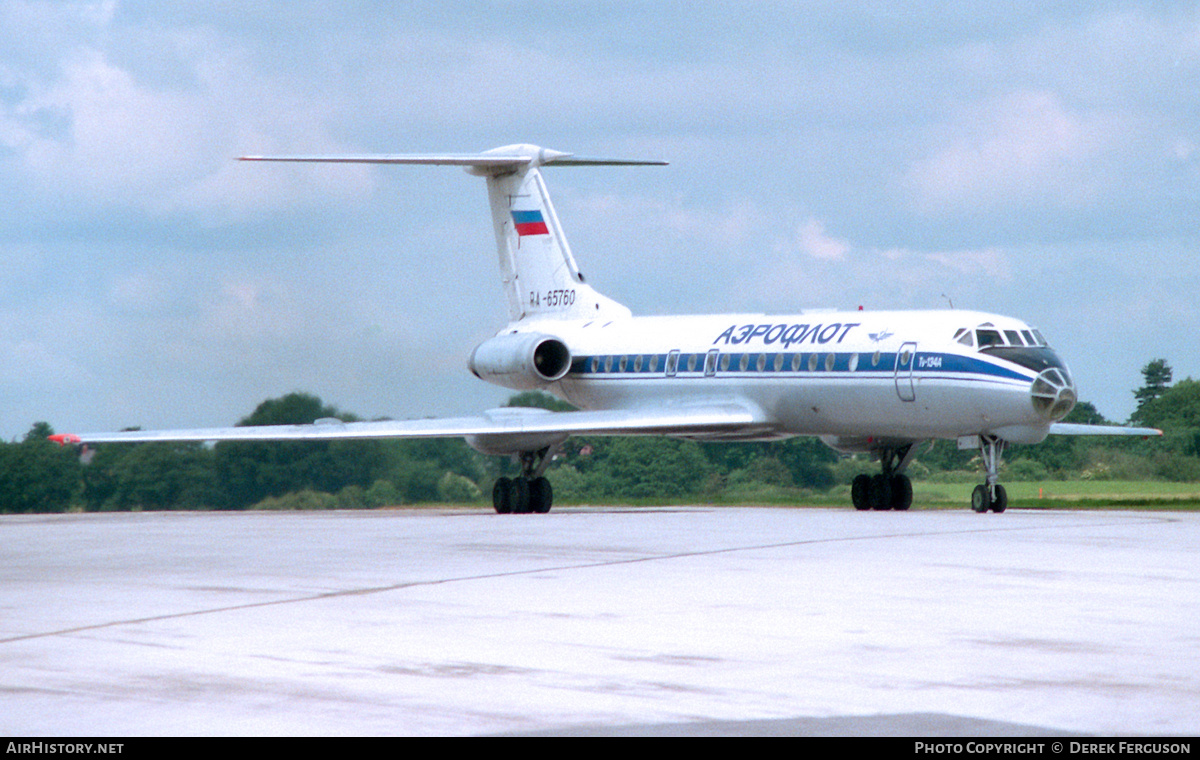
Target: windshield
{"points": [[1024, 346], [988, 335], [1036, 359]]}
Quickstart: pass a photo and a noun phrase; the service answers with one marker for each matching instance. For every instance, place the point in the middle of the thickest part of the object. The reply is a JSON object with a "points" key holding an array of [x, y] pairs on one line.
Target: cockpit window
{"points": [[988, 337]]}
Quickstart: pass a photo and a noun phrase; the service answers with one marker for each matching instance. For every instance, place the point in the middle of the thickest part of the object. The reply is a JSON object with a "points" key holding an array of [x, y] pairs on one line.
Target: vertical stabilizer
{"points": [[539, 274]]}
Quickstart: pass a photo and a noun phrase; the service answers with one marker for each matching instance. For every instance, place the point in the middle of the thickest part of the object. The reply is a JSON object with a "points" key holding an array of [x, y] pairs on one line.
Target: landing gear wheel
{"points": [[881, 492], [1000, 500], [520, 495], [981, 499], [860, 492], [902, 493], [540, 495], [891, 488], [502, 496], [530, 491]]}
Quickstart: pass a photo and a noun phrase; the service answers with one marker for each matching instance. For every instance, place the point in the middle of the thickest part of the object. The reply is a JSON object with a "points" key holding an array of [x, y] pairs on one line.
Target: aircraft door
{"points": [[906, 360]]}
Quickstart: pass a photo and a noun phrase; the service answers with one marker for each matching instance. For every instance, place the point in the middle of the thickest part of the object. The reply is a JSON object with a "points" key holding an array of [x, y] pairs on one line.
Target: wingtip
{"points": [[63, 439]]}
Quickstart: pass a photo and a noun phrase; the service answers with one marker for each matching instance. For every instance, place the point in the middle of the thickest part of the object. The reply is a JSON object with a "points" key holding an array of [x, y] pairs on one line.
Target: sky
{"points": [[1041, 162]]}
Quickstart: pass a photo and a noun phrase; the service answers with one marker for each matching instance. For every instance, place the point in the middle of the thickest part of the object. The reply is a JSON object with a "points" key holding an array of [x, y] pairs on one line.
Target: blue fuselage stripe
{"points": [[923, 364]]}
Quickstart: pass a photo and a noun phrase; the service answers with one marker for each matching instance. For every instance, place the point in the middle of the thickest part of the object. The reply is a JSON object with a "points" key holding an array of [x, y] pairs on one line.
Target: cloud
{"points": [[990, 264], [95, 133], [1010, 151], [814, 242]]}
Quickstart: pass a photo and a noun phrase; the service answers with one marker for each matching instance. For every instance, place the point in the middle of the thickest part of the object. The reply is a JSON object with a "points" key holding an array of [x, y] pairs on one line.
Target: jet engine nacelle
{"points": [[521, 361]]}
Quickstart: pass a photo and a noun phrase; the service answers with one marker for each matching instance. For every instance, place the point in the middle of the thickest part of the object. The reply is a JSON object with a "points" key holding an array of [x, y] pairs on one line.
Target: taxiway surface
{"points": [[675, 620]]}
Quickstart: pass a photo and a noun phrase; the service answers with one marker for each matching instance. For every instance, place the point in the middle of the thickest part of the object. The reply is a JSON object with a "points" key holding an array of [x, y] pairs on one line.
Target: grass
{"points": [[1108, 494], [1070, 494], [1051, 494]]}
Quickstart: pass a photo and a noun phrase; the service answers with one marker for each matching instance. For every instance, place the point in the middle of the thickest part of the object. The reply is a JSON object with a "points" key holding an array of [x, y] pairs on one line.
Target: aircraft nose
{"points": [[1053, 394]]}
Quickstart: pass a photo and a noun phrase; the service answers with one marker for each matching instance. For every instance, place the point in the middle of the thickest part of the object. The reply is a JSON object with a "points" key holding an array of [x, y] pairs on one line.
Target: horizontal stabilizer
{"points": [[571, 160], [500, 159], [1066, 428], [441, 159]]}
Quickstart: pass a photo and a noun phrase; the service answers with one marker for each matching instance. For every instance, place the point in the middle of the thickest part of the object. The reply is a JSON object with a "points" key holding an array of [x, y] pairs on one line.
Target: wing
{"points": [[506, 430], [1066, 428]]}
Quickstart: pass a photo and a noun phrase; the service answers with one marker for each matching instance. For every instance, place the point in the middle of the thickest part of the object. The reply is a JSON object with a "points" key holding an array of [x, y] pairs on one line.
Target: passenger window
{"points": [[672, 363], [829, 360], [761, 364], [724, 362], [778, 362], [795, 362], [812, 362], [691, 363]]}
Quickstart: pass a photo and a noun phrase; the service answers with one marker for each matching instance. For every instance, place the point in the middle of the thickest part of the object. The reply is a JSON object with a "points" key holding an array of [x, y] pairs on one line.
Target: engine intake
{"points": [[521, 361]]}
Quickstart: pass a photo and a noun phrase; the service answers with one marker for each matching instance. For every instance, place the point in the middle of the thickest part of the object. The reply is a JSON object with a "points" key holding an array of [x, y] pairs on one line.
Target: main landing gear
{"points": [[990, 495], [891, 489], [530, 491]]}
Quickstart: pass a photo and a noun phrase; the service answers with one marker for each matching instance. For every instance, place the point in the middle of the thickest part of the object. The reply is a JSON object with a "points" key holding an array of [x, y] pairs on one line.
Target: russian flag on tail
{"points": [[529, 223]]}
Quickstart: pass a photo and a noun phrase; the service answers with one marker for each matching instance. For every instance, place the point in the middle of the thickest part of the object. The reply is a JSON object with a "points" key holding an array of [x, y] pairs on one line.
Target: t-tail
{"points": [[540, 277]]}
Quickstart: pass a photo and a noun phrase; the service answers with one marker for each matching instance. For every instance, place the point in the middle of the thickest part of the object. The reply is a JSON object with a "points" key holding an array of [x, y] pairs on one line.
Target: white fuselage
{"points": [[857, 379]]}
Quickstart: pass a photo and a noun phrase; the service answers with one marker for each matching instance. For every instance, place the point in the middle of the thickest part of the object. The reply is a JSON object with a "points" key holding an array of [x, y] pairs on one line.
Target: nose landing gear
{"points": [[990, 495]]}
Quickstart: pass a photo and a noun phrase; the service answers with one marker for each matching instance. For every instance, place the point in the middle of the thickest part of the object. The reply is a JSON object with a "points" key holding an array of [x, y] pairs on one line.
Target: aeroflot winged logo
{"points": [[529, 223]]}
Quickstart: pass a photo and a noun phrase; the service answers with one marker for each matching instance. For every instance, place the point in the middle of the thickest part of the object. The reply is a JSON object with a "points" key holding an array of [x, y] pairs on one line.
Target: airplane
{"points": [[874, 382]]}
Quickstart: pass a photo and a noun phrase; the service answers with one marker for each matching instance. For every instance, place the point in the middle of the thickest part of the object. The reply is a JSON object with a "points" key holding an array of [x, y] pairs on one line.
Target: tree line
{"points": [[37, 475]]}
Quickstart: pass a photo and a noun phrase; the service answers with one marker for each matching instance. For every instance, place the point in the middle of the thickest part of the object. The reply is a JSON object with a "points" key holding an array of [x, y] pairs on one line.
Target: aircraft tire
{"points": [[881, 493], [502, 496], [520, 496], [1000, 503], [981, 500], [541, 495], [860, 492], [902, 493]]}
